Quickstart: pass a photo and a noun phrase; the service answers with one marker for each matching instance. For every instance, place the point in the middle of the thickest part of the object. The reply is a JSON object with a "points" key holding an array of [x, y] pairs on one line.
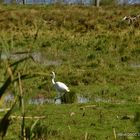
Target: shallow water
{"points": [[110, 100], [37, 57], [9, 98], [40, 101], [82, 99], [135, 65], [99, 99], [79, 99]]}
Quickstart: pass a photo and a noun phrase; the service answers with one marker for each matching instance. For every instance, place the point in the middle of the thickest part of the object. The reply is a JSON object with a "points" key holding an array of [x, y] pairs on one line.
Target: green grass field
{"points": [[91, 50]]}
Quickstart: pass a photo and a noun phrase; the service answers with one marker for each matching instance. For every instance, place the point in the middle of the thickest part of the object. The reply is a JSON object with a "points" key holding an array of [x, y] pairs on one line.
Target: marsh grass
{"points": [[96, 50]]}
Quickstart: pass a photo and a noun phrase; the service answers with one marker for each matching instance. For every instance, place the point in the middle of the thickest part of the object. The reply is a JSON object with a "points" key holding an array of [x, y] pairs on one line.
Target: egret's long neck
{"points": [[53, 79]]}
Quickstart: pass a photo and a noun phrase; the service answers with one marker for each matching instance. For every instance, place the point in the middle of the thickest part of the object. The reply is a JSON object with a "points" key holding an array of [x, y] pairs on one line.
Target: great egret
{"points": [[59, 86]]}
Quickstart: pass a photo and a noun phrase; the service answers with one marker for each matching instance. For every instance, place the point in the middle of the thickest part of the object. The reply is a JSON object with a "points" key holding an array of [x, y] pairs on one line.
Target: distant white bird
{"points": [[60, 87], [131, 19]]}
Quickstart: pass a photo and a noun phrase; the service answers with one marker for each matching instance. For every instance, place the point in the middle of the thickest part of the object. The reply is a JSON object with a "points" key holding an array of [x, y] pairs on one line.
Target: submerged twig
{"points": [[88, 106], [27, 117], [21, 99], [34, 124], [86, 136], [114, 133]]}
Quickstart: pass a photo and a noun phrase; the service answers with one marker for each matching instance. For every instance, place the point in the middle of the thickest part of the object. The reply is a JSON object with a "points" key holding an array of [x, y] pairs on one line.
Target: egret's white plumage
{"points": [[59, 86]]}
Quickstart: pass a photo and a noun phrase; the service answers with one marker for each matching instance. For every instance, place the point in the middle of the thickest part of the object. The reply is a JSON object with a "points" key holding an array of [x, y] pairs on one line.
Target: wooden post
{"points": [[24, 1], [97, 3]]}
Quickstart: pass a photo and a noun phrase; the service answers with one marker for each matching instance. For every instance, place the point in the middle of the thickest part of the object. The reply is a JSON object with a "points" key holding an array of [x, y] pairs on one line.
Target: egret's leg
{"points": [[57, 99]]}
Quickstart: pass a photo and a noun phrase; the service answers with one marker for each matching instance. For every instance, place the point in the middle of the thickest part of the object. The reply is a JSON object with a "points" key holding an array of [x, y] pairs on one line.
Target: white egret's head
{"points": [[53, 74]]}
